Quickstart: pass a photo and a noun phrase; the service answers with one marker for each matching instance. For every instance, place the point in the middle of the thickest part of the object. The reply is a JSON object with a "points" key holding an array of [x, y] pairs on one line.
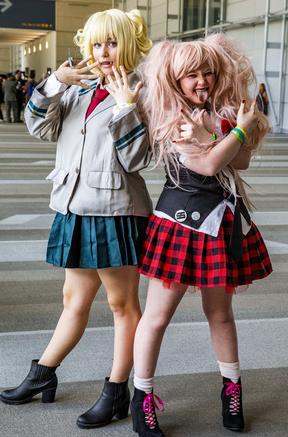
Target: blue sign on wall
{"points": [[28, 14]]}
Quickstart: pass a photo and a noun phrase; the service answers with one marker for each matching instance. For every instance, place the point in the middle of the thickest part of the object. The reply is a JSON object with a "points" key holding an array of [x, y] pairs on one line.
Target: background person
{"points": [[10, 99], [262, 99]]}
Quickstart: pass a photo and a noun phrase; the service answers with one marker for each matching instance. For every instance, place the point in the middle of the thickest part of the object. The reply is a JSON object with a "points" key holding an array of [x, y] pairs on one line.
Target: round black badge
{"points": [[180, 215]]}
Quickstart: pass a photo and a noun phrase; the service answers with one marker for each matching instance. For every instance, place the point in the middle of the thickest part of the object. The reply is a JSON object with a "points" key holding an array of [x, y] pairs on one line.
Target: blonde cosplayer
{"points": [[127, 28]]}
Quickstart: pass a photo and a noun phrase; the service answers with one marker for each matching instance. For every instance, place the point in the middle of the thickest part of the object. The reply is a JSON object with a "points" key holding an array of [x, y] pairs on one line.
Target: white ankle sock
{"points": [[145, 385], [230, 370]]}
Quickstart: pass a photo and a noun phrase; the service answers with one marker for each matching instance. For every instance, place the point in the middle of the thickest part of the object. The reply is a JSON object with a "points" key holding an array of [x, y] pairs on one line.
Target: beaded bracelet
{"points": [[240, 134], [214, 136]]}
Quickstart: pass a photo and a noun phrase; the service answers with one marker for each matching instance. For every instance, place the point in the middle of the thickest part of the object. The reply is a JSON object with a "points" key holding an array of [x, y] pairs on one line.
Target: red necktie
{"points": [[98, 96]]}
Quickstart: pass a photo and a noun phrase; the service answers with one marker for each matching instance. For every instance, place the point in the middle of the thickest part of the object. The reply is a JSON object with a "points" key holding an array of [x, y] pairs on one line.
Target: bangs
{"points": [[194, 56], [102, 29], [127, 29]]}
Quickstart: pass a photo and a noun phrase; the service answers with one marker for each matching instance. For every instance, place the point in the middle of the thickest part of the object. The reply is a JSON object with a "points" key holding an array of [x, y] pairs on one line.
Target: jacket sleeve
{"points": [[130, 139], [44, 115]]}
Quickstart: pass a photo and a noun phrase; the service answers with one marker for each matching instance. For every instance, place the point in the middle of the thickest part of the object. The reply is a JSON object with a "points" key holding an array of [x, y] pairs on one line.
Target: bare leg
{"points": [[160, 306], [121, 284], [217, 306], [80, 288]]}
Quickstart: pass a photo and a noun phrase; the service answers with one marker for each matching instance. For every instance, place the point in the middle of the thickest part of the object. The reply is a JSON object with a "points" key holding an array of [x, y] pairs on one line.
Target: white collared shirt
{"points": [[212, 223]]}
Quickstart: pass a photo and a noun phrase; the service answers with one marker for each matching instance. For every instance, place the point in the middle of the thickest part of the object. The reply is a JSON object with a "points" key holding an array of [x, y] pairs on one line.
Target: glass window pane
{"points": [[194, 13]]}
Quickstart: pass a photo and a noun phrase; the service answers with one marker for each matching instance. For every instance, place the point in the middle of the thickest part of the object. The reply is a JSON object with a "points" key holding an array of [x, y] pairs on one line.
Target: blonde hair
{"points": [[163, 99], [129, 29]]}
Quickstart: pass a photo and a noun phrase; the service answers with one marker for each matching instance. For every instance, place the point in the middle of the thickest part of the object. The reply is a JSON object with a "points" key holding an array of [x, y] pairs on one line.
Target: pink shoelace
{"points": [[150, 403], [233, 390]]}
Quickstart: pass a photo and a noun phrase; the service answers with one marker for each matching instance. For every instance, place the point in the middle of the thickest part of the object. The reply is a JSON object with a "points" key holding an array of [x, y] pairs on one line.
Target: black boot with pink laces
{"points": [[232, 412], [143, 413]]}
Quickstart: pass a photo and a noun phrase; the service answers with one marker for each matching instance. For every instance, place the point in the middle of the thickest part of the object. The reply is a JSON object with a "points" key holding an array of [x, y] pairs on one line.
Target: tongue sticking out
{"points": [[202, 95]]}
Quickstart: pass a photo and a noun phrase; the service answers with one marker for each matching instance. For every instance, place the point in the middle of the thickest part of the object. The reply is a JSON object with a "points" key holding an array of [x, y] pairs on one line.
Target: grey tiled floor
{"points": [[30, 303]]}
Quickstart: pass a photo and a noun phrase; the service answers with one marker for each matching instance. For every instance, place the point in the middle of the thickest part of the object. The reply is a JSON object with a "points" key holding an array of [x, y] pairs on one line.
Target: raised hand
{"points": [[246, 118], [120, 89], [194, 129], [75, 75]]}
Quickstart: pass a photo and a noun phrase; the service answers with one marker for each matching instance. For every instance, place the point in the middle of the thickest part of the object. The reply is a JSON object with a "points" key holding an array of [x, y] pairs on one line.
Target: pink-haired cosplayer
{"points": [[204, 126]]}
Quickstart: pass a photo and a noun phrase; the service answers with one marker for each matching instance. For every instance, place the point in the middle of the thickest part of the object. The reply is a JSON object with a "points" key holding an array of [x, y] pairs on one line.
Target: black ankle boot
{"points": [[40, 379], [232, 411], [144, 418], [113, 402]]}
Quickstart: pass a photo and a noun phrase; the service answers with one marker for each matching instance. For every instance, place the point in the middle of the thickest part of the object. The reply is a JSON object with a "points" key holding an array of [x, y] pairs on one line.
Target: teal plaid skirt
{"points": [[90, 242]]}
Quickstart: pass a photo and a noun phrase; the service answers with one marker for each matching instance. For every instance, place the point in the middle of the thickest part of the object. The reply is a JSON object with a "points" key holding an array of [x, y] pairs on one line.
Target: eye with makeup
{"points": [[208, 73], [109, 43], [112, 43], [192, 75]]}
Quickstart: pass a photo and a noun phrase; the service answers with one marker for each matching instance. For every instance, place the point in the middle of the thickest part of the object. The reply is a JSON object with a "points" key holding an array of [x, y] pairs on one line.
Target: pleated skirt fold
{"points": [[173, 253], [95, 242]]}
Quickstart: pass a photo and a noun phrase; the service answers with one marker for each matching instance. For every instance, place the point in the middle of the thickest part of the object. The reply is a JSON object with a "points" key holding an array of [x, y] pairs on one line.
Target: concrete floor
{"points": [[187, 377]]}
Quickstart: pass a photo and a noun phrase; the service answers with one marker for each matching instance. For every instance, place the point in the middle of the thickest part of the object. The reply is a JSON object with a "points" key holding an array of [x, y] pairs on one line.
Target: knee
{"points": [[220, 316], [122, 307], [76, 301], [156, 322], [118, 308]]}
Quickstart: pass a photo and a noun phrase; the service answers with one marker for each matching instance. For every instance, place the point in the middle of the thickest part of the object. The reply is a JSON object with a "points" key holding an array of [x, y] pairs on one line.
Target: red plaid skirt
{"points": [[173, 253]]}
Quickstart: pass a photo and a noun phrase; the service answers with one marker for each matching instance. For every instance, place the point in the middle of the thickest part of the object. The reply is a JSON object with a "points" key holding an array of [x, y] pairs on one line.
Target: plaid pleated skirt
{"points": [[90, 242], [173, 253]]}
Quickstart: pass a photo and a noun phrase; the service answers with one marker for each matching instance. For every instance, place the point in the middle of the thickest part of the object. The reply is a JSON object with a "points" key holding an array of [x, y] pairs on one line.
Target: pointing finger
{"points": [[253, 107], [187, 118], [65, 64], [117, 76], [84, 61], [186, 126], [124, 76], [138, 88], [242, 107]]}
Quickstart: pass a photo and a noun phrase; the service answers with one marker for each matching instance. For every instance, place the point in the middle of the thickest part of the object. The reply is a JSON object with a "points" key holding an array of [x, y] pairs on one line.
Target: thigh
{"points": [[162, 302], [120, 283], [83, 283], [216, 300]]}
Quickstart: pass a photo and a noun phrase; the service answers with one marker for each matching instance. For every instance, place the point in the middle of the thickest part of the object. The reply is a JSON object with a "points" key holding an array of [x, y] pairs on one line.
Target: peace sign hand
{"points": [[194, 129], [120, 89], [246, 118], [75, 75]]}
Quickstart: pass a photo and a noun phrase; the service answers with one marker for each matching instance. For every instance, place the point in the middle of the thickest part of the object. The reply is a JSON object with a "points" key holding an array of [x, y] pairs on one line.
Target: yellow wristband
{"points": [[238, 135], [243, 131]]}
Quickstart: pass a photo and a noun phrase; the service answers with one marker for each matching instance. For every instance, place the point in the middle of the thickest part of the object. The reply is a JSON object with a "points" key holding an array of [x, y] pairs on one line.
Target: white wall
{"points": [[43, 57], [5, 60], [250, 37], [71, 16], [252, 41]]}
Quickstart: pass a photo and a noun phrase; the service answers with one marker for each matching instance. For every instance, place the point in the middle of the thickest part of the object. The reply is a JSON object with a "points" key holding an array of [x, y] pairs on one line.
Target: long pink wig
{"points": [[162, 99], [168, 62]]}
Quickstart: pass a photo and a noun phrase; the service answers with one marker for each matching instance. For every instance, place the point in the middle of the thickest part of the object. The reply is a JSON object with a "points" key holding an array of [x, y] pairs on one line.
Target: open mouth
{"points": [[106, 64], [202, 94]]}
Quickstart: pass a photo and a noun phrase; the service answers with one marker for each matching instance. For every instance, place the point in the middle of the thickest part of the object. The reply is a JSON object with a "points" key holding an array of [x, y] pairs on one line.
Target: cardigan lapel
{"points": [[107, 103], [85, 96]]}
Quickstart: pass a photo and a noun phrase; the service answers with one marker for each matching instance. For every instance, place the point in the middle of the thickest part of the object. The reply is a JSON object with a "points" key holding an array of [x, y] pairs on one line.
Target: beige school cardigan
{"points": [[97, 160]]}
